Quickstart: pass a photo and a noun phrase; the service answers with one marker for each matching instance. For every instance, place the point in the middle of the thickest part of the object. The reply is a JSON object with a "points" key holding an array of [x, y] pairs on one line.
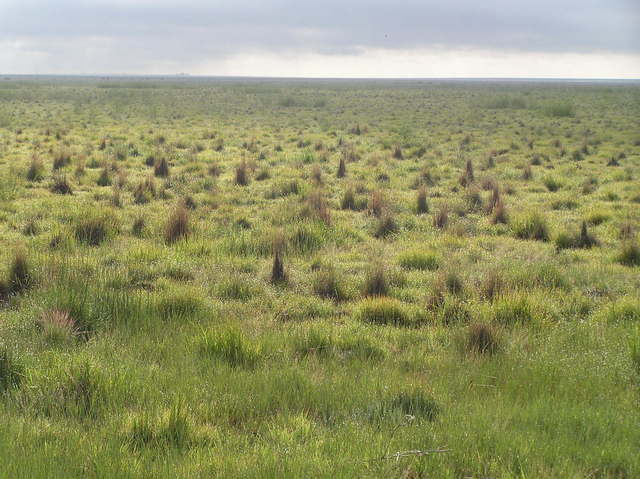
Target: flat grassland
{"points": [[269, 278]]}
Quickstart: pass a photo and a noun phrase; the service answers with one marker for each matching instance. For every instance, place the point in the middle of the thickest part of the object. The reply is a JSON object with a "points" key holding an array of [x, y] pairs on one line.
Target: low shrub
{"points": [[57, 326], [584, 239], [386, 226], [11, 371], [375, 283], [630, 254], [235, 288], [36, 170], [229, 346], [20, 276], [625, 309], [418, 260], [382, 310], [513, 309], [413, 403], [552, 183], [327, 284], [532, 227]]}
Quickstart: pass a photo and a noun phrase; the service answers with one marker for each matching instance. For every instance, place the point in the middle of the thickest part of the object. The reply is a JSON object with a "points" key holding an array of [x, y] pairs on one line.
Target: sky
{"points": [[329, 38]]}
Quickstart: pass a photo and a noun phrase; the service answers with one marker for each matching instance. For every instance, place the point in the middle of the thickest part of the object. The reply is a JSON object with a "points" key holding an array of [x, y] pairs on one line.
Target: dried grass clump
{"points": [[278, 273], [386, 226], [382, 310], [492, 285], [145, 191], [327, 284], [177, 226], [467, 177], [499, 213], [482, 339], [375, 283], [36, 169], [316, 175], [161, 168], [377, 203], [20, 277], [397, 153], [92, 230], [630, 254], [421, 201], [584, 239], [61, 186], [242, 174], [441, 218], [58, 325], [317, 207], [532, 227], [342, 168]]}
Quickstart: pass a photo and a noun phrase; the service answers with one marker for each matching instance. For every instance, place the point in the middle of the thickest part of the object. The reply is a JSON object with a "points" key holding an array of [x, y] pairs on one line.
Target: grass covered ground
{"points": [[206, 278]]}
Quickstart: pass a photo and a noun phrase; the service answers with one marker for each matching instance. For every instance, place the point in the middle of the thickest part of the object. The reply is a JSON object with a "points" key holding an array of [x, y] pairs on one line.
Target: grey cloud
{"points": [[190, 31]]}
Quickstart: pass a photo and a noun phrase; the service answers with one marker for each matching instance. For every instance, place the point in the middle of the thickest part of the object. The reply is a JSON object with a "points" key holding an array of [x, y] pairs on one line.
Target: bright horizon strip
{"points": [[369, 63]]}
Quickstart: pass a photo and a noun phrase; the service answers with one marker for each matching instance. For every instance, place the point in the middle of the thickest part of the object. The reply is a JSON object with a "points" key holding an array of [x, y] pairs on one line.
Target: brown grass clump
{"points": [[61, 159], [214, 170], [316, 175], [447, 282], [468, 176], [386, 226], [441, 218], [36, 169], [92, 230], [342, 168], [375, 283], [377, 203], [145, 191], [326, 284], [318, 207], [493, 200], [178, 225], [482, 339], [58, 325], [278, 273], [61, 186], [421, 201], [348, 201], [492, 285], [627, 231], [397, 153], [161, 168], [499, 213], [20, 278], [242, 174]]}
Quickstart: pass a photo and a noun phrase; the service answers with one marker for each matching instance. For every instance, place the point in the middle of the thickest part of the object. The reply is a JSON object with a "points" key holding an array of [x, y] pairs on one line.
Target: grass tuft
{"points": [[229, 346]]}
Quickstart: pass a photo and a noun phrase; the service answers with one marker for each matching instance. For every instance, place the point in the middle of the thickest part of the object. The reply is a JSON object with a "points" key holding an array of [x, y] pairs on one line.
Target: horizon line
{"points": [[259, 77]]}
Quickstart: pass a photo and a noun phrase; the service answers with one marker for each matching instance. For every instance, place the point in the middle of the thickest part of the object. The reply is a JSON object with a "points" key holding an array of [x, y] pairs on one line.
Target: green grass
{"points": [[460, 274]]}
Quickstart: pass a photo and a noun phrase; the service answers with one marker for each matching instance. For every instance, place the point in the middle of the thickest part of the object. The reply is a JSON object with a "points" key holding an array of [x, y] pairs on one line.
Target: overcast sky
{"points": [[330, 38]]}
